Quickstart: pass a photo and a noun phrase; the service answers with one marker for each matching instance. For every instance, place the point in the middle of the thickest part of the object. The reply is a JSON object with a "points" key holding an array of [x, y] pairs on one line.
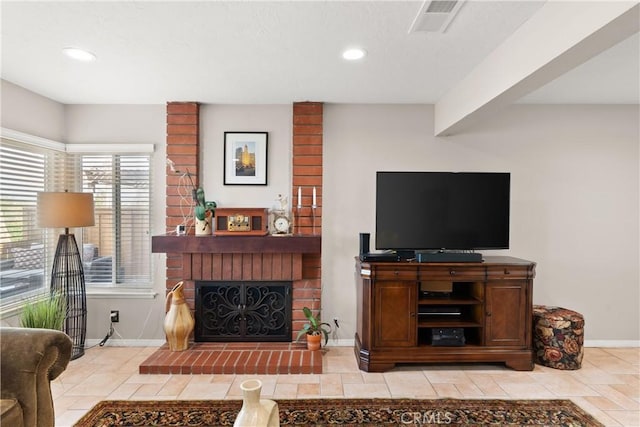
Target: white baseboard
{"points": [[341, 343], [611, 343], [119, 342]]}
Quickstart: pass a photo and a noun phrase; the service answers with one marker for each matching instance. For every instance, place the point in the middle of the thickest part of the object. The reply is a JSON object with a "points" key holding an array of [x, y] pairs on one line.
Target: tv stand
{"points": [[448, 256], [399, 322]]}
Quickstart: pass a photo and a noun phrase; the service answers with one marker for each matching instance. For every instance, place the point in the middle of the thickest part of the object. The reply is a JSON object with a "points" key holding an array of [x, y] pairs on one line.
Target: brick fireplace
{"points": [[183, 148], [294, 259]]}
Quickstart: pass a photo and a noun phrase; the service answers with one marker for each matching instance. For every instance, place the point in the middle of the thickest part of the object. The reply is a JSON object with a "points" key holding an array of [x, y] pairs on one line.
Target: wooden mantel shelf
{"points": [[235, 244]]}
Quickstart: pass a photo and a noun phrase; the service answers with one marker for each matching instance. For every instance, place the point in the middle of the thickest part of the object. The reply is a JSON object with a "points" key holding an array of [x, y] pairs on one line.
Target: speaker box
{"points": [[364, 243]]}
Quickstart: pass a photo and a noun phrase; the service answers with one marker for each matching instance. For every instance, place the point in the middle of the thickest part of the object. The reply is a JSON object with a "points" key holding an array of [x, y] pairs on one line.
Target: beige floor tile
{"points": [[299, 379], [285, 391], [630, 355], [614, 395], [487, 384], [124, 391], [446, 376], [603, 403], [607, 386], [469, 390], [174, 385], [366, 391], [98, 384], [563, 385], [327, 379], [631, 391], [331, 390], [148, 379], [598, 414], [521, 390], [373, 377], [354, 378], [447, 390], [204, 391], [308, 391], [409, 385], [150, 390], [69, 418], [625, 418]]}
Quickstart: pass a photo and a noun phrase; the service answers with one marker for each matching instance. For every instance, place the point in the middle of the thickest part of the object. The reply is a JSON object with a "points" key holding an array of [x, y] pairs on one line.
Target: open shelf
{"points": [[439, 322]]}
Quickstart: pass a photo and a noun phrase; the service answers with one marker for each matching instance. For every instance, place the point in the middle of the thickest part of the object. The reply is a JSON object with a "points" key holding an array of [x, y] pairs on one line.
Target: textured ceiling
{"points": [[275, 52]]}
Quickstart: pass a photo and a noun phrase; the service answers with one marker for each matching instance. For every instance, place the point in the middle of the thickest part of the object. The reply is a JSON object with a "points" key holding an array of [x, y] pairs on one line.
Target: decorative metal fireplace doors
{"points": [[243, 311]]}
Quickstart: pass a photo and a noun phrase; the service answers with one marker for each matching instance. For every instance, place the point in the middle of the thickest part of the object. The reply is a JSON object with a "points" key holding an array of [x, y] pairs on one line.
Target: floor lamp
{"points": [[67, 210]]}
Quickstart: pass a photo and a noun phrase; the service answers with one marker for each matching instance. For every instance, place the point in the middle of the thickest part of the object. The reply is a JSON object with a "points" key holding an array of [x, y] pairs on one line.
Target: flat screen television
{"points": [[442, 211]]}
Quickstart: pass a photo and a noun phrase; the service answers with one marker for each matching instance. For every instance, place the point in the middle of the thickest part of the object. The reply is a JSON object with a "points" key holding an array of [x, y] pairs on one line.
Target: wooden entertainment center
{"points": [[490, 301]]}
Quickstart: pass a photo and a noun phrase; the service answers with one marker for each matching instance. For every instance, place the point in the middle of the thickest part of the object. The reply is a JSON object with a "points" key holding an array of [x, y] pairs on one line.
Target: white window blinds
{"points": [[26, 250], [117, 250]]}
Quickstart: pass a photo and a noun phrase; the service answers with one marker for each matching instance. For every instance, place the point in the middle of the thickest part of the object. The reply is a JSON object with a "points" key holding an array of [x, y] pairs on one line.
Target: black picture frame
{"points": [[245, 158]]}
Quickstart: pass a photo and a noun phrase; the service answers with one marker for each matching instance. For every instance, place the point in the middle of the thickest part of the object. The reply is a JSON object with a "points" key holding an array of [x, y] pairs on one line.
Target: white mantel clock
{"points": [[281, 220]]}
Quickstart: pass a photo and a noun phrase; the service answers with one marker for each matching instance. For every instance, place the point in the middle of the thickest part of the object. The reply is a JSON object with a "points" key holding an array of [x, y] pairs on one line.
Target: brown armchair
{"points": [[30, 359]]}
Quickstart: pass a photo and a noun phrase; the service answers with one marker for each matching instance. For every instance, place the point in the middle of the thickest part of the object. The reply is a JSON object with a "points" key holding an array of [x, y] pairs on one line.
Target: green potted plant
{"points": [[203, 212], [47, 313], [314, 329]]}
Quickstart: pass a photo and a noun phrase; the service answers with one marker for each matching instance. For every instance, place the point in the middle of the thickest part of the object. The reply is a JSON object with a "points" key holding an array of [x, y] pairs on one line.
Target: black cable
{"points": [[109, 334]]}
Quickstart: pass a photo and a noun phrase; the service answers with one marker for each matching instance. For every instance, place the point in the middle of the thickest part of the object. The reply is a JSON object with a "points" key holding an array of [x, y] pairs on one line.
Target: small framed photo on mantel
{"points": [[245, 158]]}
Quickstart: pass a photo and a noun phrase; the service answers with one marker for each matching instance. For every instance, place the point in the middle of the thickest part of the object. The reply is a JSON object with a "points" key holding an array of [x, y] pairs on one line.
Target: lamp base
{"points": [[67, 280]]}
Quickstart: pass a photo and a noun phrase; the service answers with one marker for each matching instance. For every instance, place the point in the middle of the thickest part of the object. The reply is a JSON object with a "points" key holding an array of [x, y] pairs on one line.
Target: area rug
{"points": [[344, 412]]}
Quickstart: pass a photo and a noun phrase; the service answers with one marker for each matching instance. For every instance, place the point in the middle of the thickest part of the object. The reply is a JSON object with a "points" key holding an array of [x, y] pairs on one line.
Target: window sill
{"points": [[110, 293]]}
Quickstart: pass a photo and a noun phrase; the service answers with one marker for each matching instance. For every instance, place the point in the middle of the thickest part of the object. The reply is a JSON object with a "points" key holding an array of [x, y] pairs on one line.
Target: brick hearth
{"points": [[235, 358]]}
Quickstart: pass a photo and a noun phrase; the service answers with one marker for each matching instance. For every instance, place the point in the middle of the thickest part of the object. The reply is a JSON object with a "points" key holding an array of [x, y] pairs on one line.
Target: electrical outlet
{"points": [[115, 316]]}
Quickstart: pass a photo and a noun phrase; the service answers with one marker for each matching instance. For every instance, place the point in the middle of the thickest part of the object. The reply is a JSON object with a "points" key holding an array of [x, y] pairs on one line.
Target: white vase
{"points": [[256, 412], [203, 226]]}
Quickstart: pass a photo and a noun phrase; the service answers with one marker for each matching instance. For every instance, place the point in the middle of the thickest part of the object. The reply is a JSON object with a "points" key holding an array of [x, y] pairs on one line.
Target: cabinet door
{"points": [[395, 314], [506, 313]]}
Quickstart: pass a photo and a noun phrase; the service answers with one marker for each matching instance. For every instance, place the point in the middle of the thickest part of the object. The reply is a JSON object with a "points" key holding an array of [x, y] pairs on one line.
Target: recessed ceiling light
{"points": [[354, 54], [79, 54]]}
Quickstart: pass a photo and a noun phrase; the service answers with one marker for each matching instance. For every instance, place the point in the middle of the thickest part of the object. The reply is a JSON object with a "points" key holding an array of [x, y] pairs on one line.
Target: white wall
{"points": [[574, 172], [141, 316], [215, 120], [28, 112]]}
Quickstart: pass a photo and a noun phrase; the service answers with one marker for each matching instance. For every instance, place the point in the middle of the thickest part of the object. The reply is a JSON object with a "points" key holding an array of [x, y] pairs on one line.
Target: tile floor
{"points": [[607, 386]]}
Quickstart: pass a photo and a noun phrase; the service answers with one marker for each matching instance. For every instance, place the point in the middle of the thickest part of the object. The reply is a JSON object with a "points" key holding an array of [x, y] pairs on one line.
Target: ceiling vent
{"points": [[435, 16]]}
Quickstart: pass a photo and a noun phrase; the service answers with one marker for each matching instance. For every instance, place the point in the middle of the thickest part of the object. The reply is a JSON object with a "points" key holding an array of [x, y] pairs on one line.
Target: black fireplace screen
{"points": [[243, 311]]}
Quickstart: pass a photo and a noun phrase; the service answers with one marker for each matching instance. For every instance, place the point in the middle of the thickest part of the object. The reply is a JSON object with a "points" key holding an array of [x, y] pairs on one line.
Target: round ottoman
{"points": [[558, 337]]}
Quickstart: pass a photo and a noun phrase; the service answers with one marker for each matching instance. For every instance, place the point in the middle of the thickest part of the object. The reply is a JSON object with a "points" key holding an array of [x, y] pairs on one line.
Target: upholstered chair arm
{"points": [[30, 359]]}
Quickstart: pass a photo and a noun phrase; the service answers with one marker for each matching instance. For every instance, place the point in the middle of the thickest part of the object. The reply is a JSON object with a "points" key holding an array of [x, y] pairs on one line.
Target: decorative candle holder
{"points": [[313, 218], [297, 220]]}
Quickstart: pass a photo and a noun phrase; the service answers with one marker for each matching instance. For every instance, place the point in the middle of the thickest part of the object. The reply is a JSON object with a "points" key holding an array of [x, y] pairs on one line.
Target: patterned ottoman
{"points": [[558, 337]]}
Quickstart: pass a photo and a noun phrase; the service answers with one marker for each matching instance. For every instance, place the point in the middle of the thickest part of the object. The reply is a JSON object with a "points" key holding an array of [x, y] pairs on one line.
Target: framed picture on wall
{"points": [[245, 158]]}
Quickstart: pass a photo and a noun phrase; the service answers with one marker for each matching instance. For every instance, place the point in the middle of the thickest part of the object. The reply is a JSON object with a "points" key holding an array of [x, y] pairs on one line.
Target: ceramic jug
{"points": [[178, 321], [256, 412]]}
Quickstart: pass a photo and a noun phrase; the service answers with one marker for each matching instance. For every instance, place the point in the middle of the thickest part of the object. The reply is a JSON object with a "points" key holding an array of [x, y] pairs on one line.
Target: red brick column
{"points": [[183, 148], [307, 174]]}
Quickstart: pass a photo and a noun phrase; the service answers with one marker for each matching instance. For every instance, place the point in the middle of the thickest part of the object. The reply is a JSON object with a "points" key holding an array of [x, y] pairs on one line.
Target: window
{"points": [[117, 250], [25, 249]]}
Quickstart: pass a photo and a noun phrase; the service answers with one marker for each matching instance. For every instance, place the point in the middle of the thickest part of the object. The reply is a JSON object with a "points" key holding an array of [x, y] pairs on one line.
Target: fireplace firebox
{"points": [[247, 311]]}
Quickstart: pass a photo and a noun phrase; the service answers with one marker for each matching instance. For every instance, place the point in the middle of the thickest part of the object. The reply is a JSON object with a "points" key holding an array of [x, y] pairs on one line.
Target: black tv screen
{"points": [[442, 210]]}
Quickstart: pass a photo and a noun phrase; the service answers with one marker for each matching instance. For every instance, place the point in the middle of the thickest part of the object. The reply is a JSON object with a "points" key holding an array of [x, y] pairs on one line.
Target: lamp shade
{"points": [[65, 210]]}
